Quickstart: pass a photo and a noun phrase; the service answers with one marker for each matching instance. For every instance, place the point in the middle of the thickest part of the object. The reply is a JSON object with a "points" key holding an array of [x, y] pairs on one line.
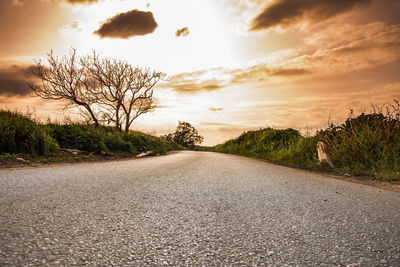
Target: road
{"points": [[193, 209]]}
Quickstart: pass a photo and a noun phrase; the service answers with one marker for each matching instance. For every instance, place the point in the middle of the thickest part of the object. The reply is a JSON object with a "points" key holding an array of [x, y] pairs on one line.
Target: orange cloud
{"points": [[377, 44], [17, 3], [81, 1], [195, 87], [218, 78], [129, 24], [288, 12], [194, 82], [216, 109], [182, 32]]}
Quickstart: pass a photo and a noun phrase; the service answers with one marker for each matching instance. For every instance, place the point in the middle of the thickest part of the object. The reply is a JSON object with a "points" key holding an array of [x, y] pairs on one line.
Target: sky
{"points": [[232, 65]]}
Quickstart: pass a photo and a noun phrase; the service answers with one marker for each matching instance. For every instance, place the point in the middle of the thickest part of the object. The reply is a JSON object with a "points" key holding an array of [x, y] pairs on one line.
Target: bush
{"points": [[107, 139], [78, 136], [143, 142], [284, 146], [302, 152], [115, 143], [368, 144], [20, 134]]}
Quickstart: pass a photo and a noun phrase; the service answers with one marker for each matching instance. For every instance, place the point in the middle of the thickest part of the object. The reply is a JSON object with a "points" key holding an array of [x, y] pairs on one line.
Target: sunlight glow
{"points": [[208, 44]]}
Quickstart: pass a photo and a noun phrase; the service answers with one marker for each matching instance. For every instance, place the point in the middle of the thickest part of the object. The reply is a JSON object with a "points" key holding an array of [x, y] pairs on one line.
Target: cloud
{"points": [[338, 50], [17, 3], [262, 72], [129, 24], [182, 32], [74, 26], [218, 78], [375, 45], [288, 12], [14, 80], [215, 109], [195, 82], [188, 87], [88, 2]]}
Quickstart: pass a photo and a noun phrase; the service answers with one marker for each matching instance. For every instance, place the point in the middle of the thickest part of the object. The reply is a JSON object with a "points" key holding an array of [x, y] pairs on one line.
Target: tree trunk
{"points": [[127, 125]]}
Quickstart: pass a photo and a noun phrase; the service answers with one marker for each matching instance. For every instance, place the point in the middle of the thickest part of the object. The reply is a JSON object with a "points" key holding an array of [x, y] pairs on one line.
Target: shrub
{"points": [[143, 142], [368, 144], [302, 152], [285, 146], [115, 143], [20, 134], [107, 139], [78, 136]]}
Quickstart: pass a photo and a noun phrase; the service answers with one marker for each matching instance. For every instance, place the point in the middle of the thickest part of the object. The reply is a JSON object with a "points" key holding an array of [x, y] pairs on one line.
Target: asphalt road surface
{"points": [[193, 209]]}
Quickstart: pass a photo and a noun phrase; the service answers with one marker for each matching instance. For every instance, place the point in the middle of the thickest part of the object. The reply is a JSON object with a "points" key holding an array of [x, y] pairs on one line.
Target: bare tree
{"points": [[107, 90], [139, 94], [125, 92], [110, 75], [66, 79]]}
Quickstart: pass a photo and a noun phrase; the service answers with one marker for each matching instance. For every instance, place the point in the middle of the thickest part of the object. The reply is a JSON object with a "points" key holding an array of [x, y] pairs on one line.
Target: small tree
{"points": [[139, 94], [108, 90], [185, 135], [125, 92], [109, 74], [168, 137], [66, 79]]}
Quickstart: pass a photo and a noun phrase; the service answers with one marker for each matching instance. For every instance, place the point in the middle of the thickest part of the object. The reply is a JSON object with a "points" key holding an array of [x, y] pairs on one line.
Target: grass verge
{"points": [[23, 138], [367, 145]]}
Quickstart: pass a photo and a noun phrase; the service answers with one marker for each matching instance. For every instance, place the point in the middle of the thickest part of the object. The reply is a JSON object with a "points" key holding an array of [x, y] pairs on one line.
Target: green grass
{"points": [[282, 146], [368, 144], [19, 134], [107, 139], [365, 145]]}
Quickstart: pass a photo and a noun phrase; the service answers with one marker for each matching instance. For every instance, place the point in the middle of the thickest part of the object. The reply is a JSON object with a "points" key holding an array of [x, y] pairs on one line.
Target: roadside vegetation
{"points": [[106, 91], [365, 145], [185, 135], [21, 135]]}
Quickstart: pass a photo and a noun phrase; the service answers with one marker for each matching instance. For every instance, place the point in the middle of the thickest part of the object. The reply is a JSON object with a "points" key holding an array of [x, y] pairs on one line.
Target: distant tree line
{"points": [[106, 91]]}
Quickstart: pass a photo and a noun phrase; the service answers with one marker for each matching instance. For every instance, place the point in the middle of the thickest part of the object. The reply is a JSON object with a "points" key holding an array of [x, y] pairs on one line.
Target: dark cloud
{"points": [[129, 24], [81, 1], [182, 32], [216, 109], [287, 12], [14, 80]]}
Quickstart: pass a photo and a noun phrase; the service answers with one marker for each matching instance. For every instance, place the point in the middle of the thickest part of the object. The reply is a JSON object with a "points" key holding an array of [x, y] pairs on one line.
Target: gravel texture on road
{"points": [[193, 209]]}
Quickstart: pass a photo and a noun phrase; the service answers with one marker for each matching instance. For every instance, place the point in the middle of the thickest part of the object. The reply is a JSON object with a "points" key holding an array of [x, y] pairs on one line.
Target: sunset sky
{"points": [[233, 65]]}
